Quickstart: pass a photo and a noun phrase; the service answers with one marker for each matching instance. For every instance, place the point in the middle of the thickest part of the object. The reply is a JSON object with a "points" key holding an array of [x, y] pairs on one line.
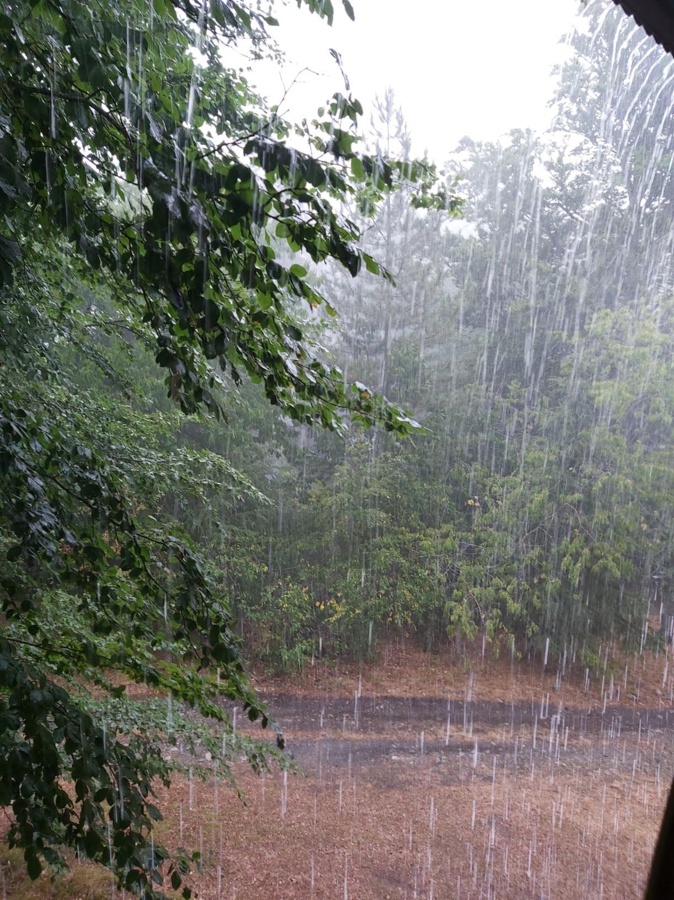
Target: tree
{"points": [[530, 338], [145, 193]]}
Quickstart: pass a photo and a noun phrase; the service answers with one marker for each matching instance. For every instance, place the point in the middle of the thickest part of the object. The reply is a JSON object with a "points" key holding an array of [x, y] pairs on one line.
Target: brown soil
{"points": [[427, 776], [531, 792]]}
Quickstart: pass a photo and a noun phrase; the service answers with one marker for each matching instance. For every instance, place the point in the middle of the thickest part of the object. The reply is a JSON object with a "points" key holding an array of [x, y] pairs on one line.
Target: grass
{"points": [[82, 882]]}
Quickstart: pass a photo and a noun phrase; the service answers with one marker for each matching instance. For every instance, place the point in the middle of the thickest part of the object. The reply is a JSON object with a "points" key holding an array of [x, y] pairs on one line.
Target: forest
{"points": [[531, 337], [275, 393]]}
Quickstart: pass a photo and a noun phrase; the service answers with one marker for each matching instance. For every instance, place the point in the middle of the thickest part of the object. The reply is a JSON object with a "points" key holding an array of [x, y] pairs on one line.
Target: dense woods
{"points": [[170, 273], [533, 340]]}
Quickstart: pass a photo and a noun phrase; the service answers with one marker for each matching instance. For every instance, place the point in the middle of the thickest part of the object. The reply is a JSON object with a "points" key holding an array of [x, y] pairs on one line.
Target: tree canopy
{"points": [[534, 340], [150, 206]]}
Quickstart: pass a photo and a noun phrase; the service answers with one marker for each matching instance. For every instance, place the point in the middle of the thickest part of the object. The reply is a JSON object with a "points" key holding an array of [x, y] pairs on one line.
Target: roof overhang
{"points": [[655, 16]]}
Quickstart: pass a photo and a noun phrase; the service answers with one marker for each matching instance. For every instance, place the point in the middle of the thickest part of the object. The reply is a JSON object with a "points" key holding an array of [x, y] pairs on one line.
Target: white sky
{"points": [[476, 67]]}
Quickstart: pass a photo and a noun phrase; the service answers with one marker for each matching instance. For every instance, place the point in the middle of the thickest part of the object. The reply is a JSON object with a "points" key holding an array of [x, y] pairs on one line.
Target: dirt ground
{"points": [[427, 777], [432, 776]]}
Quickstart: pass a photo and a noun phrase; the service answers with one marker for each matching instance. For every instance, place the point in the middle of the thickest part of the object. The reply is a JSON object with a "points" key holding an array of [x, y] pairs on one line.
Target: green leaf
{"points": [[357, 168], [33, 865]]}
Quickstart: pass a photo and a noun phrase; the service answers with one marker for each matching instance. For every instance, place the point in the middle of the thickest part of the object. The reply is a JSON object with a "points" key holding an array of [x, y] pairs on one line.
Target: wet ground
{"points": [[404, 795], [361, 731]]}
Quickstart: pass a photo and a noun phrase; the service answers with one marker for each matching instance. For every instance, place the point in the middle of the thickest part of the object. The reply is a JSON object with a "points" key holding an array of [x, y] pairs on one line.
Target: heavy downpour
{"points": [[336, 450]]}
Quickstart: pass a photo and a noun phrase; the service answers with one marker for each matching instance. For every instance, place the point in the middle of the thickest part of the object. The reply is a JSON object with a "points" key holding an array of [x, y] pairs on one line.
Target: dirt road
{"points": [[466, 789]]}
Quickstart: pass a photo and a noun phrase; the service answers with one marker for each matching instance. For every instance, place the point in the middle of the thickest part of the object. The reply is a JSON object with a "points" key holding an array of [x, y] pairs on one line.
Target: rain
{"points": [[462, 634], [465, 636]]}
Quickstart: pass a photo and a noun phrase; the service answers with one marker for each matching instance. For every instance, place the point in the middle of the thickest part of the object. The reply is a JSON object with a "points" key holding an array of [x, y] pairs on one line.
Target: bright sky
{"points": [[477, 67]]}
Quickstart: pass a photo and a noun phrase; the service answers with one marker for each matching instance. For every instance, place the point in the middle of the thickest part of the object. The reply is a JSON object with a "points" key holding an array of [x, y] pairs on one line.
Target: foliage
{"points": [[96, 581], [154, 213], [147, 200], [533, 340], [122, 130]]}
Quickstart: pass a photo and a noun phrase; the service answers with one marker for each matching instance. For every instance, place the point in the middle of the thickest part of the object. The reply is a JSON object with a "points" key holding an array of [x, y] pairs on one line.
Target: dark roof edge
{"points": [[655, 16]]}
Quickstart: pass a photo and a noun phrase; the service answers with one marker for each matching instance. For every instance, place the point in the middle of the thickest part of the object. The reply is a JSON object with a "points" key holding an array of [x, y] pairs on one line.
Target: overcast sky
{"points": [[456, 66]]}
